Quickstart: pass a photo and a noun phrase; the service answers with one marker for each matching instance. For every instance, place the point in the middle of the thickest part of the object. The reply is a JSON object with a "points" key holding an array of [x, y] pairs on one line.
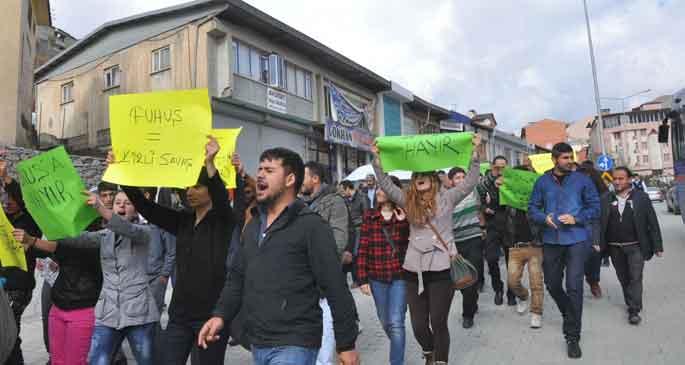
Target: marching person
{"points": [[126, 307], [325, 200], [632, 235], [495, 217], [279, 285], [468, 238], [564, 202], [382, 247], [356, 204], [525, 248], [594, 263], [202, 240], [431, 246]]}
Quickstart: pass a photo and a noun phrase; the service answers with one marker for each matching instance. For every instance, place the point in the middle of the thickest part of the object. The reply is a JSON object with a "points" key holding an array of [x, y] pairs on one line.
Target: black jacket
{"points": [[201, 250], [279, 281], [79, 281], [644, 216]]}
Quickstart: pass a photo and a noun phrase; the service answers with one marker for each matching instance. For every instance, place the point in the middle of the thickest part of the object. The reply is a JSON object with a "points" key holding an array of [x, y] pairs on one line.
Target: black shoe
{"points": [[634, 319], [467, 322], [511, 301], [499, 299], [573, 349]]}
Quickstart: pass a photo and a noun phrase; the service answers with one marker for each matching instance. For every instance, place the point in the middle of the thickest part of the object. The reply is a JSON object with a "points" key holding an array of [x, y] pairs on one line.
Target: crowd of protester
{"points": [[268, 268]]}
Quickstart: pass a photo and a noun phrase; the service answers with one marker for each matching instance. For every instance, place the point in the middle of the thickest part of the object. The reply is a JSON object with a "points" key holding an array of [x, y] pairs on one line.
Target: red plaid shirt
{"points": [[375, 259]]}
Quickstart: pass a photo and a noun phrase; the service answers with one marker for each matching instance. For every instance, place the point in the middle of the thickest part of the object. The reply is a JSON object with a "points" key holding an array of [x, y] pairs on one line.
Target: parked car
{"points": [[672, 200], [655, 194]]}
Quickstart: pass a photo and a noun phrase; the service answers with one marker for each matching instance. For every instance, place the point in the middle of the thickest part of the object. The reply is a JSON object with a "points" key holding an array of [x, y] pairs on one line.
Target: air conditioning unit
{"points": [[276, 71]]}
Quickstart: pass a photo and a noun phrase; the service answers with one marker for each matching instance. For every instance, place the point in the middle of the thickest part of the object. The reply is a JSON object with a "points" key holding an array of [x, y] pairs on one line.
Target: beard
{"points": [[272, 198]]}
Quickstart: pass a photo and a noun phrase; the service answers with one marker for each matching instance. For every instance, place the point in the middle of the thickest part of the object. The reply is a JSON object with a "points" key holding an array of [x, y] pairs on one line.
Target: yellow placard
{"points": [[227, 139], [11, 251], [542, 162], [158, 138]]}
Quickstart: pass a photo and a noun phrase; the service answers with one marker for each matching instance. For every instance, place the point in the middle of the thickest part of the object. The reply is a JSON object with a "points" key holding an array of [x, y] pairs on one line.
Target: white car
{"points": [[655, 194]]}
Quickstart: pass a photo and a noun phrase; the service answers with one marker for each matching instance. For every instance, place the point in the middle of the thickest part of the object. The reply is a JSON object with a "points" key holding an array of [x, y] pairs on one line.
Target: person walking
{"points": [[202, 235], [382, 248], [593, 265], [325, 200], [279, 285], [357, 205], [525, 248], [495, 217], [468, 239], [126, 306], [431, 245], [631, 233], [564, 203]]}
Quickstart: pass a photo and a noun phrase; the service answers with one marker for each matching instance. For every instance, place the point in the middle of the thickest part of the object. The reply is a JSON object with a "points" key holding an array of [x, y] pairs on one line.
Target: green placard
{"points": [[426, 152], [52, 192], [517, 187]]}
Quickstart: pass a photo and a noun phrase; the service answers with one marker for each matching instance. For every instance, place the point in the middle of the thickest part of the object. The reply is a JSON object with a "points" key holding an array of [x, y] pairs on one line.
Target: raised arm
{"points": [[394, 193], [455, 195], [217, 190], [166, 218], [137, 233]]}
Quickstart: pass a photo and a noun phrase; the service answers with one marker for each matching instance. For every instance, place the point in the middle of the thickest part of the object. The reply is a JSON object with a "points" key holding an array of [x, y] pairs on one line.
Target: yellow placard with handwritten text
{"points": [[158, 138], [11, 251], [542, 162], [227, 139]]}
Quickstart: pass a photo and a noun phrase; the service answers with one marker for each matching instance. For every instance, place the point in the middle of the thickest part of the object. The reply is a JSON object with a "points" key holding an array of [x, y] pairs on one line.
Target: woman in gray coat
{"points": [[126, 307]]}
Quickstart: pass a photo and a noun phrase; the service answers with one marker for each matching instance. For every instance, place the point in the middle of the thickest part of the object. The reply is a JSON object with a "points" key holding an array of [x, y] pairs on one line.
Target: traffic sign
{"points": [[605, 163]]}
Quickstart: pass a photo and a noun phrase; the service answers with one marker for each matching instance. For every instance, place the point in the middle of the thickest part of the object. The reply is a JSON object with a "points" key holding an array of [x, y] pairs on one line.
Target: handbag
{"points": [[389, 239], [462, 272]]}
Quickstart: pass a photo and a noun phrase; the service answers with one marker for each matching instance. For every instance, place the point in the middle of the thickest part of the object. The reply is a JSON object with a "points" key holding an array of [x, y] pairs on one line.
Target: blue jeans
{"points": [[284, 355], [391, 307], [106, 341], [571, 259]]}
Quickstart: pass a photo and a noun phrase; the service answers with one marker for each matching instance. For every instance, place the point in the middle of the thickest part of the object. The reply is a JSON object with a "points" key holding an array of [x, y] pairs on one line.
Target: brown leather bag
{"points": [[462, 272]]}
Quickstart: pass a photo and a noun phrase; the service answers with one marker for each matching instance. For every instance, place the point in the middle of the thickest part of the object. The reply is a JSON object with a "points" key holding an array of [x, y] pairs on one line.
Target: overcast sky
{"points": [[523, 60]]}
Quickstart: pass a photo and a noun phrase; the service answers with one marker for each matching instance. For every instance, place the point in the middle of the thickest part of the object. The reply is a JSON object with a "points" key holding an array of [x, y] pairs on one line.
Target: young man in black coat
{"points": [[287, 261], [631, 233]]}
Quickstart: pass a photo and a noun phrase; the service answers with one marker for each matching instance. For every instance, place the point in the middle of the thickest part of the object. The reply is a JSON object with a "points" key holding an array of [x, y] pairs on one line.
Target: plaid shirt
{"points": [[376, 260]]}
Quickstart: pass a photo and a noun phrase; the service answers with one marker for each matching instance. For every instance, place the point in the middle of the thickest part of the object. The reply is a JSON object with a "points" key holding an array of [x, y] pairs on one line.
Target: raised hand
{"points": [[211, 148], [238, 164], [110, 158]]}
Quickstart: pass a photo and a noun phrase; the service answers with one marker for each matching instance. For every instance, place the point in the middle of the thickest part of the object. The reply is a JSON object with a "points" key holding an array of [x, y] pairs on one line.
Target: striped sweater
{"points": [[465, 217]]}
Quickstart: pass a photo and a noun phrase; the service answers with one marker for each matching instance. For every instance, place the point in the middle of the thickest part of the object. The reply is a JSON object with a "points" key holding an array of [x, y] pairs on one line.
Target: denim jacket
{"points": [[577, 196]]}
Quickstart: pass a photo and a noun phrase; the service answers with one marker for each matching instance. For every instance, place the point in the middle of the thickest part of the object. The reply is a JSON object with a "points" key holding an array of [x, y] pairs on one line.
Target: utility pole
{"points": [[594, 77]]}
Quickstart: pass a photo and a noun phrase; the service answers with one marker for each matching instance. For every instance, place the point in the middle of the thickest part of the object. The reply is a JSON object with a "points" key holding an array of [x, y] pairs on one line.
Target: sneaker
{"points": [[522, 306], [467, 322], [499, 298], [535, 321], [634, 319], [573, 349]]}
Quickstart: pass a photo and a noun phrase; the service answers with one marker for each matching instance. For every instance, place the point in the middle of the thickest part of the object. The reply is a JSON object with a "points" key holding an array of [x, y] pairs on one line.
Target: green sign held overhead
{"points": [[517, 187], [426, 152], [52, 192]]}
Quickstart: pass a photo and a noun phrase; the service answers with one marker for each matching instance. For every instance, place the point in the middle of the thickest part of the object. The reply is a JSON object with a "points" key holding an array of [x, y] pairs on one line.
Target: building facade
{"points": [[20, 19], [495, 142], [631, 138], [50, 42], [281, 86], [545, 133]]}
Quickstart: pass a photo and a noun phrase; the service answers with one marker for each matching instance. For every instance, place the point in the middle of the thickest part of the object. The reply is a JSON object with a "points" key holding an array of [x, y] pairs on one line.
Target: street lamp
{"points": [[623, 99], [594, 77]]}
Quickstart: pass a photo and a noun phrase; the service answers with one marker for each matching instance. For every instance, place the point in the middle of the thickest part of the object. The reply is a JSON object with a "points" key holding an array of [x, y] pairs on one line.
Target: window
{"points": [[250, 62], [644, 146], [298, 81], [643, 132], [667, 156], [112, 77], [161, 59], [68, 92], [645, 159]]}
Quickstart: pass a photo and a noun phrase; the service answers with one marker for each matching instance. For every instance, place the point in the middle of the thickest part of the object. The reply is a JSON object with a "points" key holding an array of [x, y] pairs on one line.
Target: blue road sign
{"points": [[605, 163]]}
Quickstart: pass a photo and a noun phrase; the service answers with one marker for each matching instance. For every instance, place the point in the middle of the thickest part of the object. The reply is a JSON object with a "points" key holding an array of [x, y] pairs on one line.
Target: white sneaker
{"points": [[535, 320], [522, 306]]}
